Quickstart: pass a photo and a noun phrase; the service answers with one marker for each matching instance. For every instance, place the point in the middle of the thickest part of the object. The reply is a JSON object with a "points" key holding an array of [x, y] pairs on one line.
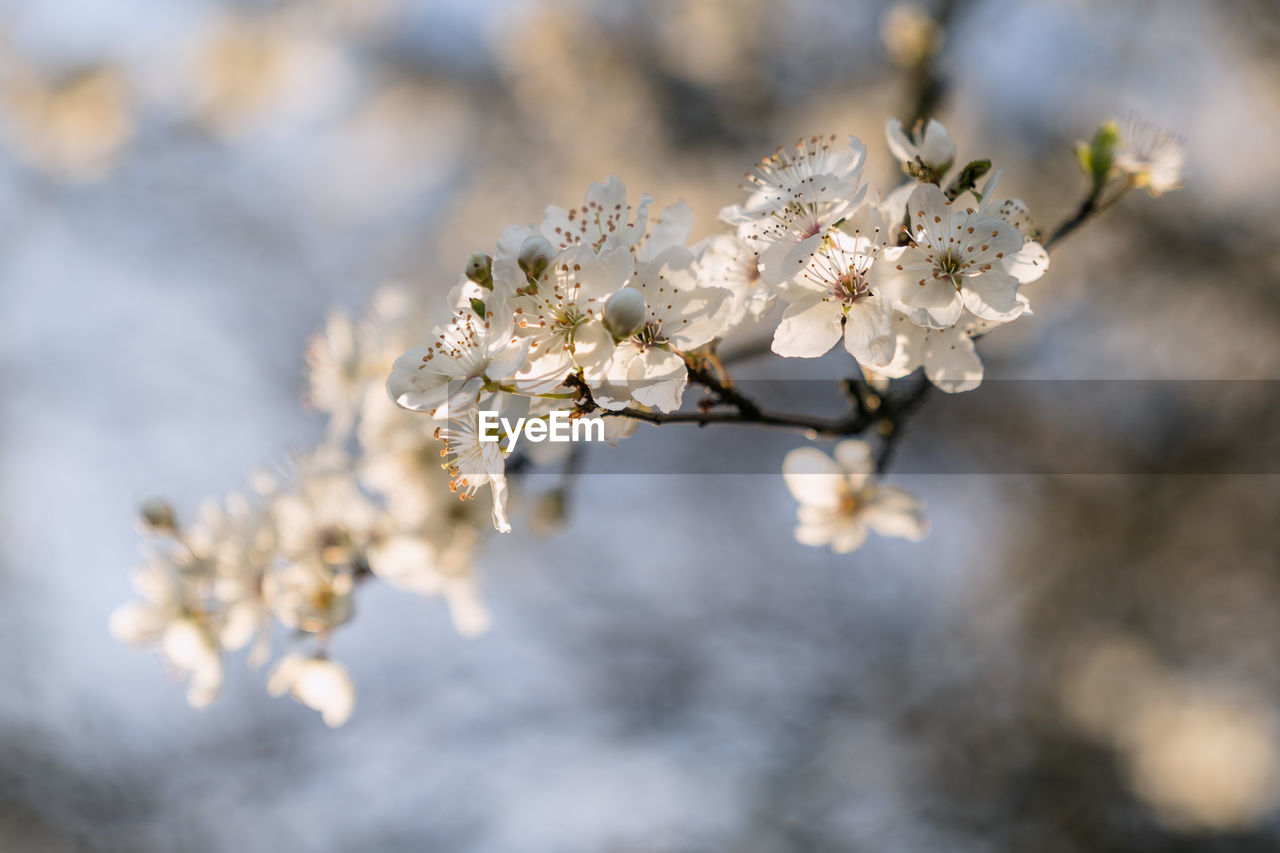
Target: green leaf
{"points": [[968, 178], [477, 305]]}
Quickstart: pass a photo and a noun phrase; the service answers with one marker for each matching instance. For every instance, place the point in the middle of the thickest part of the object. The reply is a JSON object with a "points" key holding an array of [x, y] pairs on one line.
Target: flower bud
{"points": [[480, 269], [926, 154], [624, 313], [158, 516], [1097, 156], [967, 180], [535, 255]]}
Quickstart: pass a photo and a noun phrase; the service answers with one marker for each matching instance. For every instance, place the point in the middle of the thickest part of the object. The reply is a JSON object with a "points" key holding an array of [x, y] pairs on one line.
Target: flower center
{"points": [[851, 287], [568, 317], [801, 220], [850, 503], [949, 266], [650, 335]]}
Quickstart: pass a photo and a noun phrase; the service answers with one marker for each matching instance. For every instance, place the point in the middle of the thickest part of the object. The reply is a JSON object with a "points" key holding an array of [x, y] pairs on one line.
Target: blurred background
{"points": [[1069, 662]]}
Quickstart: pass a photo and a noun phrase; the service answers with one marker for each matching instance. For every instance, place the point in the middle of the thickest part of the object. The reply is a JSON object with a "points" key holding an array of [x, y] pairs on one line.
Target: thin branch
{"points": [[1089, 208], [927, 82], [1082, 215], [888, 415], [853, 424], [903, 410], [722, 391]]}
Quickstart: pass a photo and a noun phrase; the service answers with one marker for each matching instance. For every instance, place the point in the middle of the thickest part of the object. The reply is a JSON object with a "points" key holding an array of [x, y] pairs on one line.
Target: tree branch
{"points": [[927, 82], [1092, 205], [820, 427], [1087, 209]]}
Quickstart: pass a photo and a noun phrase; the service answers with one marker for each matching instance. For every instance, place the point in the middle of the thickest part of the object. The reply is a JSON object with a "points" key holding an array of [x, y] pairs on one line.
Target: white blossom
{"points": [[416, 563], [795, 197], [333, 372], [930, 147], [728, 261], [310, 595], [840, 499], [176, 615], [473, 463], [432, 547], [948, 356], [323, 516], [1151, 156], [320, 684], [679, 316], [468, 354], [1030, 262], [955, 261], [837, 296], [560, 315], [604, 221], [668, 230]]}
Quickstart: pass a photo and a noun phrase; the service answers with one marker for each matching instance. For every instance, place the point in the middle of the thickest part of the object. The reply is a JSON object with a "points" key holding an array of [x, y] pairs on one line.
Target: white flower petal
{"points": [[808, 329], [669, 228], [950, 361], [936, 305], [854, 456], [896, 512], [992, 296], [658, 378], [1028, 263], [868, 333], [813, 477], [849, 536], [899, 145], [937, 149]]}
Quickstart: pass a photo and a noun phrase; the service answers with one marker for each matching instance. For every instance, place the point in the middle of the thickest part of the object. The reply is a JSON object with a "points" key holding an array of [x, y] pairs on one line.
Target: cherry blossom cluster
{"points": [[609, 309], [607, 305], [369, 501]]}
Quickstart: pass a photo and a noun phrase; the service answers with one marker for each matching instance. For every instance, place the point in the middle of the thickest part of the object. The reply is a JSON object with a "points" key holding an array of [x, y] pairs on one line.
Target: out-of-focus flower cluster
{"points": [[606, 307], [1203, 757], [370, 501]]}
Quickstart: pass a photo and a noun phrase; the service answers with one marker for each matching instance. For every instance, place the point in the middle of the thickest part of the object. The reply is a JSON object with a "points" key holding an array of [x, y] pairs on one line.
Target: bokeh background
{"points": [[1070, 662]]}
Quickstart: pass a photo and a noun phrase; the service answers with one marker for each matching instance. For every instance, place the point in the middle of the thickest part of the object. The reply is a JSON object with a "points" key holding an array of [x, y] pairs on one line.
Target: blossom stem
{"points": [[713, 358], [823, 427], [892, 429], [746, 411], [1089, 208]]}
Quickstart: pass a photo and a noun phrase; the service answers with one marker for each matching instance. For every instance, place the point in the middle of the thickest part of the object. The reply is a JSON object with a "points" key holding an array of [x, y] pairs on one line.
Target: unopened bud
{"points": [[624, 313], [158, 516], [535, 255], [1099, 154], [967, 180], [926, 153], [480, 269]]}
